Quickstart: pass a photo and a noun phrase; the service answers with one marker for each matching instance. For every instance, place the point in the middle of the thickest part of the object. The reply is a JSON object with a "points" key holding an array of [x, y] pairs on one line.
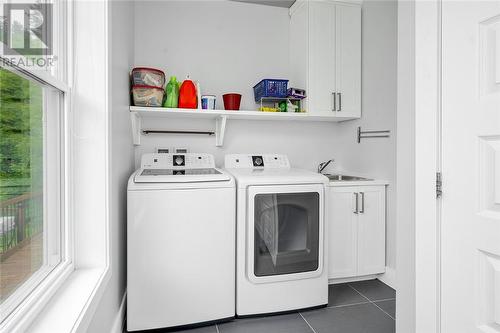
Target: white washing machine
{"points": [[180, 242], [280, 235]]}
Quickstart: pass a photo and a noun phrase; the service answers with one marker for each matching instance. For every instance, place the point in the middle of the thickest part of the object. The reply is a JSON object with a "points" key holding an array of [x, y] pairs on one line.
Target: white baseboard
{"points": [[119, 323], [389, 277]]}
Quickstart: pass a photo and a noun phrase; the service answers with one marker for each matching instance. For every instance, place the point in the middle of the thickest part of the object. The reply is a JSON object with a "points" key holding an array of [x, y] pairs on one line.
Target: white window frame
{"points": [[54, 199], [71, 304], [29, 298]]}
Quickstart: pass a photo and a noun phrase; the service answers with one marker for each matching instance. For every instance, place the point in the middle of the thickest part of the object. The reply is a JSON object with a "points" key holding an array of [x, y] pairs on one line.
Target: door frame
{"points": [[418, 160]]}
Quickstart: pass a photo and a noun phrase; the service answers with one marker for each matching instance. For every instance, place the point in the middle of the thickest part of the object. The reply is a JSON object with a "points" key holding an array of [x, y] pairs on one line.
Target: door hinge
{"points": [[439, 185]]}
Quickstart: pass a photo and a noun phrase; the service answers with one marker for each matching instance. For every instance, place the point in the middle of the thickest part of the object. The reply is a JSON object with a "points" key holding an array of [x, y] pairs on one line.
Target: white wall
{"points": [[376, 157], [199, 45], [227, 46], [121, 29]]}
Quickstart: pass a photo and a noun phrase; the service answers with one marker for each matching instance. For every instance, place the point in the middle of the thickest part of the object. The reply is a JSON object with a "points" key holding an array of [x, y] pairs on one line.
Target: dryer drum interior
{"points": [[286, 237]]}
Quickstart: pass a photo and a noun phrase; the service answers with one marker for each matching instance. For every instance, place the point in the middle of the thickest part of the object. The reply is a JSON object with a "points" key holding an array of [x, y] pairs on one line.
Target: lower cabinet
{"points": [[356, 231]]}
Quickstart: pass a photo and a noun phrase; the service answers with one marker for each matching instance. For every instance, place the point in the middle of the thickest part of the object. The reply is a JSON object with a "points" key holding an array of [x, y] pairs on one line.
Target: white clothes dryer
{"points": [[280, 233]]}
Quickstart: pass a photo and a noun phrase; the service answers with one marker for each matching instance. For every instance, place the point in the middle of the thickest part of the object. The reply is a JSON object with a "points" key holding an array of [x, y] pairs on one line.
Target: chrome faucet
{"points": [[323, 165]]}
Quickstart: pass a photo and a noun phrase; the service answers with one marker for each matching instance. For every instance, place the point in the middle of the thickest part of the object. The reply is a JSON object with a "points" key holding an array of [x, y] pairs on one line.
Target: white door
{"points": [[342, 232], [285, 232], [470, 263], [371, 230], [348, 60], [321, 98]]}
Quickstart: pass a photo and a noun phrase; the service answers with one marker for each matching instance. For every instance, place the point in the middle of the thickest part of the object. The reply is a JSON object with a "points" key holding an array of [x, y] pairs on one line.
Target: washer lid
{"points": [[180, 175]]}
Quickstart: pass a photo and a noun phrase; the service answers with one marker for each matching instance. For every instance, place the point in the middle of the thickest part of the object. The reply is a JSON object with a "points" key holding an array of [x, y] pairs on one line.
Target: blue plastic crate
{"points": [[270, 88]]}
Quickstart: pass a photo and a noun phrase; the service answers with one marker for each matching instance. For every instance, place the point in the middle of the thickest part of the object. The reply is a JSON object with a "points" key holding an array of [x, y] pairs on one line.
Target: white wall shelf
{"points": [[220, 116]]}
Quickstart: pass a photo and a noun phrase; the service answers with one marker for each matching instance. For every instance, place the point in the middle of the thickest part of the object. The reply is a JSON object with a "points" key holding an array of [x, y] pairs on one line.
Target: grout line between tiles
{"points": [[383, 311], [371, 302], [362, 295], [344, 305], [384, 300], [307, 323]]}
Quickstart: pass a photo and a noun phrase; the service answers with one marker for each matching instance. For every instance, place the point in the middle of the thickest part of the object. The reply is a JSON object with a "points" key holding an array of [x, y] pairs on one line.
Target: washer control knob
{"points": [[179, 160], [258, 161]]}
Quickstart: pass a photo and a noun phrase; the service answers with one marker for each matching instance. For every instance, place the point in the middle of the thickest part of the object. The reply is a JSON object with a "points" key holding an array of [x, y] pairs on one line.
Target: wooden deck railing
{"points": [[21, 218]]}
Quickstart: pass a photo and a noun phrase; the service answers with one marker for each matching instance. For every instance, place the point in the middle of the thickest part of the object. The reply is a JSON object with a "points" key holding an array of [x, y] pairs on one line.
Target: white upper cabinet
{"points": [[325, 56], [348, 60], [321, 87]]}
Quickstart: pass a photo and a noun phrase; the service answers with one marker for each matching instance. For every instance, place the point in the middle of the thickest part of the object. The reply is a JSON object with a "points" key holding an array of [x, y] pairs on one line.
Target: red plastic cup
{"points": [[231, 101]]}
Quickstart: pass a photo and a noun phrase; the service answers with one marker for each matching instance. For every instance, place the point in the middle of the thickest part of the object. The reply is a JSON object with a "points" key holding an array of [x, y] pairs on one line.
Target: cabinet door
{"points": [[371, 230], [321, 58], [299, 50], [348, 60], [342, 233]]}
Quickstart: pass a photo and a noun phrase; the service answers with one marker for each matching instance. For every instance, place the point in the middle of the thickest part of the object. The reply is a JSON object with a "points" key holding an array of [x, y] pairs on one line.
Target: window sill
{"points": [[71, 307]]}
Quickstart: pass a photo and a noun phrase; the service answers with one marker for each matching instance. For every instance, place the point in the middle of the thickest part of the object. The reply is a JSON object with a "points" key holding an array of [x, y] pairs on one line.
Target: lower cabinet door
{"points": [[371, 230], [342, 233]]}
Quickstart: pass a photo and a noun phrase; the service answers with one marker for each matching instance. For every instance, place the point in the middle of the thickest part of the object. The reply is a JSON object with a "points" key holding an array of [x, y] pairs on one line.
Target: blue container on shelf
{"points": [[270, 88]]}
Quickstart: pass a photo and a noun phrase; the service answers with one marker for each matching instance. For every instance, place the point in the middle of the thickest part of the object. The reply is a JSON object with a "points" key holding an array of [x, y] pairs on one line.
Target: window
{"points": [[33, 241], [30, 184]]}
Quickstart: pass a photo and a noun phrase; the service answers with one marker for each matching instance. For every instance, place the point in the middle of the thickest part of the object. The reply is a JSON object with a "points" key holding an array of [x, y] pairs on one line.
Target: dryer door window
{"points": [[286, 233]]}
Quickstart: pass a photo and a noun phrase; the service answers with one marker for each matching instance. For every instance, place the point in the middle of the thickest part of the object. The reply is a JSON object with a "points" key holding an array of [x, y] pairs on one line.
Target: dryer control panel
{"points": [[259, 161], [177, 161]]}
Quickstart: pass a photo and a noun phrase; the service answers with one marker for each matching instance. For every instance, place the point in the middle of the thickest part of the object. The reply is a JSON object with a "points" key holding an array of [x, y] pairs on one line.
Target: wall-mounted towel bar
{"points": [[372, 134], [177, 132]]}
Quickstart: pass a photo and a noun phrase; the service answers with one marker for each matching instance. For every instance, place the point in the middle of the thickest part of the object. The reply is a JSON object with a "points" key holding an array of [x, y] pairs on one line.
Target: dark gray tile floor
{"points": [[357, 307], [388, 306], [374, 290], [290, 323]]}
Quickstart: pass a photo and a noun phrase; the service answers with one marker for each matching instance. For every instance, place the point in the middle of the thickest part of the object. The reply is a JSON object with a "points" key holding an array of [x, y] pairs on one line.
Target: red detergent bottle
{"points": [[187, 95]]}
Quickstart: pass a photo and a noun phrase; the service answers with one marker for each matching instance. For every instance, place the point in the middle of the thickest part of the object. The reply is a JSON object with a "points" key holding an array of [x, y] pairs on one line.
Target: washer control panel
{"points": [[257, 161], [177, 161]]}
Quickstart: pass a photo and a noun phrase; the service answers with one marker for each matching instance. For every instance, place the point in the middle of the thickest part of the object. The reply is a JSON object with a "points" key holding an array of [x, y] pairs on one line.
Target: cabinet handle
{"points": [[334, 102], [357, 203], [340, 102], [362, 211]]}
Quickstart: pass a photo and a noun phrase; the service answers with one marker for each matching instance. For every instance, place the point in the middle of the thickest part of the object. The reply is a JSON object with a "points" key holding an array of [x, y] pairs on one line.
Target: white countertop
{"points": [[371, 182], [375, 182]]}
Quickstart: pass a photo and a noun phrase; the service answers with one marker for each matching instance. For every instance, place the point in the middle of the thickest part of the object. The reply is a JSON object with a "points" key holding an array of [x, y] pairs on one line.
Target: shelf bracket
{"points": [[220, 130], [136, 122]]}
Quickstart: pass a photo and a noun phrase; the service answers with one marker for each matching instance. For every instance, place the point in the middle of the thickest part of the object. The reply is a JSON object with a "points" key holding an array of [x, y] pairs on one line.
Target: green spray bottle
{"points": [[172, 92]]}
